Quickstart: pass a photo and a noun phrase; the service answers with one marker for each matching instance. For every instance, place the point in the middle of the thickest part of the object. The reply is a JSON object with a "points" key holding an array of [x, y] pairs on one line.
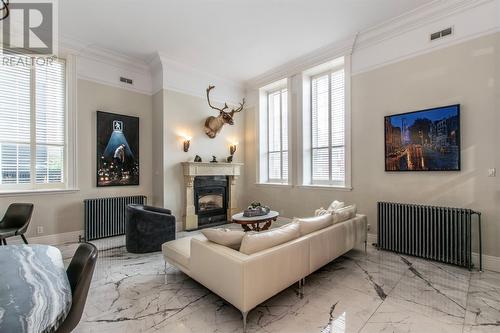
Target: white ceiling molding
{"points": [[184, 79], [303, 63], [400, 38], [104, 66], [408, 36], [414, 19]]}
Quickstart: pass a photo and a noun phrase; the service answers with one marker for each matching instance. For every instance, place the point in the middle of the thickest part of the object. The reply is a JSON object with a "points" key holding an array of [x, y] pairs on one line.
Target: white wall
{"points": [[466, 73], [63, 213]]}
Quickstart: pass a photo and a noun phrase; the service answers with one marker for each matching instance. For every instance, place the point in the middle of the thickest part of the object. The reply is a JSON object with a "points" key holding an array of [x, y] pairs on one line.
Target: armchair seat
{"points": [[147, 228]]}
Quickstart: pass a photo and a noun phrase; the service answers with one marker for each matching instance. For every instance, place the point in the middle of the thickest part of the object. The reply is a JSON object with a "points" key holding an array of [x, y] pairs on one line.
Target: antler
{"points": [[210, 104], [240, 108]]}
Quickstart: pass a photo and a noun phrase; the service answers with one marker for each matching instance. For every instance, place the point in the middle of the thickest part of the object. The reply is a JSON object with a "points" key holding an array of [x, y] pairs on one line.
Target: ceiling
{"points": [[234, 39]]}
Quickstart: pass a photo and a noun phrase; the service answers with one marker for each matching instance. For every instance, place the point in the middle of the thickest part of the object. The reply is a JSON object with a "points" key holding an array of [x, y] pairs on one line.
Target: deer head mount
{"points": [[4, 9], [213, 125]]}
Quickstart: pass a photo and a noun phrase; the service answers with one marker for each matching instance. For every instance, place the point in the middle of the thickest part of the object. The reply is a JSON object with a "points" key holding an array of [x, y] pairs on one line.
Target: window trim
{"points": [[69, 184], [305, 117]]}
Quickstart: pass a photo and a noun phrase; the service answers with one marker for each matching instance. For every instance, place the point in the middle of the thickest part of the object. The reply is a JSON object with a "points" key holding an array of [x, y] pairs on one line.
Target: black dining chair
{"points": [[80, 272], [15, 221]]}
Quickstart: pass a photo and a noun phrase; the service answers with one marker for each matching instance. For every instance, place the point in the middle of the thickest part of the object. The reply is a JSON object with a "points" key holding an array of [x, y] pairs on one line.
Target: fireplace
{"points": [[215, 187], [211, 200]]}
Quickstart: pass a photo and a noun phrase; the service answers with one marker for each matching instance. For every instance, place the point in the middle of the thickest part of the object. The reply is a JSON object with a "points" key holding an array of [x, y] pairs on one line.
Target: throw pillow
{"points": [[311, 224], [344, 214], [336, 205], [226, 237], [257, 241], [321, 211]]}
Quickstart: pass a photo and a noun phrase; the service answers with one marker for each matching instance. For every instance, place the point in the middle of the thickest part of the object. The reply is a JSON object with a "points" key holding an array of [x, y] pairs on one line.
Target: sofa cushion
{"points": [[179, 250], [344, 214], [311, 224], [257, 241], [226, 237]]}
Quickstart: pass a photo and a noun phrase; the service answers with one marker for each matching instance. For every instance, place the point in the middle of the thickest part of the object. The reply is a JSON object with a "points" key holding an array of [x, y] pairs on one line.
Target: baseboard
{"points": [[54, 239], [490, 263]]}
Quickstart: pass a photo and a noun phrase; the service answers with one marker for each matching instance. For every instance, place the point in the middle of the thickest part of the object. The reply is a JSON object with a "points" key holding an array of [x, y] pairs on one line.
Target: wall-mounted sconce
{"points": [[232, 148], [187, 143]]}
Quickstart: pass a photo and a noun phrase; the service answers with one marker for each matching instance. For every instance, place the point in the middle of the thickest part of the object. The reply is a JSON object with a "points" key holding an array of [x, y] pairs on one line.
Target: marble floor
{"points": [[374, 292]]}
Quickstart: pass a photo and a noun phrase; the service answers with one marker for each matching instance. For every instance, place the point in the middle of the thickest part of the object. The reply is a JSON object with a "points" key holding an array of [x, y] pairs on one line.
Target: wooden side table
{"points": [[254, 223]]}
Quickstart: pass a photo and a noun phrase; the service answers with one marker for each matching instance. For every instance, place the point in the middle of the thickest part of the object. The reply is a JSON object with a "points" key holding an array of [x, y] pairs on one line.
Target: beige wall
{"points": [[468, 74], [158, 143], [185, 115], [60, 213]]}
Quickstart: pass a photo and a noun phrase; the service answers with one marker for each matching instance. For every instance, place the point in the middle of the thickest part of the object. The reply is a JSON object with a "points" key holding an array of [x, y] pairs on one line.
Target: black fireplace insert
{"points": [[211, 194]]}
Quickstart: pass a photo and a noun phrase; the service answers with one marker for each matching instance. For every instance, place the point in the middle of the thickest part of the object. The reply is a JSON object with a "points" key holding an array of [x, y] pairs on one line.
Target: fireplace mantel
{"points": [[194, 169]]}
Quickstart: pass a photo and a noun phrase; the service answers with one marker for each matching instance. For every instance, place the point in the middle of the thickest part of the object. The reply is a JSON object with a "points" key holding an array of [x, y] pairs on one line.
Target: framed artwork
{"points": [[117, 149], [427, 140]]}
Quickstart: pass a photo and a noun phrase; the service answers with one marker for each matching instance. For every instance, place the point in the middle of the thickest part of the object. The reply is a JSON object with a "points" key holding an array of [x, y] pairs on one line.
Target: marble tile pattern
{"points": [[35, 295], [374, 292]]}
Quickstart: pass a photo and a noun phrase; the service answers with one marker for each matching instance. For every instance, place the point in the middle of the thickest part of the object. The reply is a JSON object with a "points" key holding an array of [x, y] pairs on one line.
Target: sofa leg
{"points": [[365, 247], [165, 272], [244, 314]]}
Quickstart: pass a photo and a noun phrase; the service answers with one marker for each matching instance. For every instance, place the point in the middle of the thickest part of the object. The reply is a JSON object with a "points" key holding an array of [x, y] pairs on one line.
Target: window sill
{"points": [[326, 187], [278, 185], [16, 193]]}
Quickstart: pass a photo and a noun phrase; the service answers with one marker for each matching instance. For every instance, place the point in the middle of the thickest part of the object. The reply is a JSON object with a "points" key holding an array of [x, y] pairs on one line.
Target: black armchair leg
{"points": [[24, 239], [4, 241]]}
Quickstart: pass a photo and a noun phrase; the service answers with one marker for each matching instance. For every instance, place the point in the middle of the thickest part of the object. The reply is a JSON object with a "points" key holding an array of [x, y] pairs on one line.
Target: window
{"points": [[328, 128], [277, 149], [33, 126]]}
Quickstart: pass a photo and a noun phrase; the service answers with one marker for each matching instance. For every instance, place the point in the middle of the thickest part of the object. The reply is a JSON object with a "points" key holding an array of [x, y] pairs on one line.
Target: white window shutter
{"points": [[328, 128], [15, 124], [32, 125], [277, 136], [50, 121]]}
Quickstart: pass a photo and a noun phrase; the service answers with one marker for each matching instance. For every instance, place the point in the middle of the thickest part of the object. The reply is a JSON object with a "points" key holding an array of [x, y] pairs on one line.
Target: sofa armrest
{"points": [[218, 268]]}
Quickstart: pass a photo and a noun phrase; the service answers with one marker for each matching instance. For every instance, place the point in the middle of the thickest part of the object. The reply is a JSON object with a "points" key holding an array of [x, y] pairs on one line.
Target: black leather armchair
{"points": [[147, 228], [16, 221]]}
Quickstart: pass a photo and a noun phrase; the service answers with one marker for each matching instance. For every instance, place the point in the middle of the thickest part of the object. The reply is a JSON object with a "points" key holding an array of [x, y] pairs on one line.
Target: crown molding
{"points": [[408, 36], [171, 75], [413, 19], [304, 62], [104, 66], [102, 54]]}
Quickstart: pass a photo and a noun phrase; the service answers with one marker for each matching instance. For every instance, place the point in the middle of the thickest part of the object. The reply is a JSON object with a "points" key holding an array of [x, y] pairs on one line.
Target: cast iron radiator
{"points": [[437, 233], [105, 217]]}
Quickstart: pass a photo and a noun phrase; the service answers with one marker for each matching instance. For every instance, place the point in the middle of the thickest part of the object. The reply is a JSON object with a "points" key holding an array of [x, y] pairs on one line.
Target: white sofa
{"points": [[245, 281]]}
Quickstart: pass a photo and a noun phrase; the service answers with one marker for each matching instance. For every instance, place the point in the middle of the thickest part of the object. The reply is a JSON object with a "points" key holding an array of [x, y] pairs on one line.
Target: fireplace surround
{"points": [[201, 204]]}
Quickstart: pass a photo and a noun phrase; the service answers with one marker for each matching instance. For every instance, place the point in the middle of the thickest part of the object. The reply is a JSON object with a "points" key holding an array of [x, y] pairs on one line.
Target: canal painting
{"points": [[427, 140]]}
